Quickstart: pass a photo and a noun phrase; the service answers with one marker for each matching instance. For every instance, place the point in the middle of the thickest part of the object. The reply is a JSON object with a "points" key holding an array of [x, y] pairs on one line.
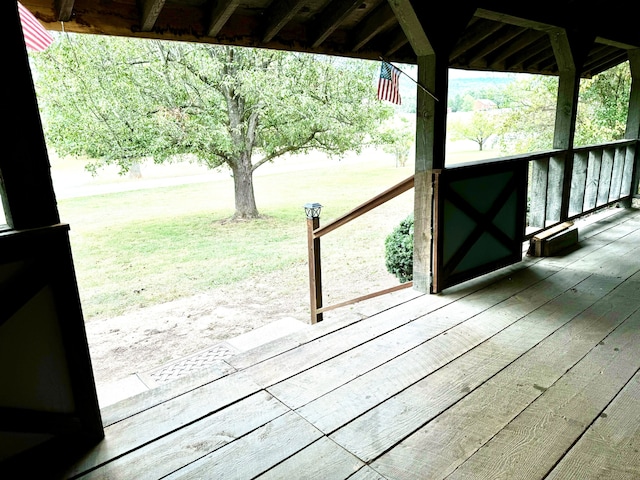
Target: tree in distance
{"points": [[479, 127], [119, 101]]}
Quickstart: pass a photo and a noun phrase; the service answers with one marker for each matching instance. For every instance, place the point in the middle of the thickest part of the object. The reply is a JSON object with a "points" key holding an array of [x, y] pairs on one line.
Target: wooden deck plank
{"points": [[255, 453], [306, 356], [378, 430], [366, 473], [443, 444], [440, 385], [610, 448], [153, 423], [615, 242], [305, 387], [321, 460], [341, 405], [150, 398], [530, 445], [411, 309], [169, 453]]}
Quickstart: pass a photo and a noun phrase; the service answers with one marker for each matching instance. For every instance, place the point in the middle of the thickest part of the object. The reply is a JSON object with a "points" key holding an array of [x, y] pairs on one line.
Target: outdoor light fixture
{"points": [[312, 210]]}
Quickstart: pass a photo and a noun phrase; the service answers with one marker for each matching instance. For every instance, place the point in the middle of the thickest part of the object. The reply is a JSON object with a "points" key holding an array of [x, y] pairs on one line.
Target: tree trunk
{"points": [[243, 188]]}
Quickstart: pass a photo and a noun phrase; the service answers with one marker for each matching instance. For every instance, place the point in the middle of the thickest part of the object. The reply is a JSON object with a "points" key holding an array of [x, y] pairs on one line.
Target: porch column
{"points": [[431, 37], [569, 54], [633, 117], [431, 121], [25, 181]]}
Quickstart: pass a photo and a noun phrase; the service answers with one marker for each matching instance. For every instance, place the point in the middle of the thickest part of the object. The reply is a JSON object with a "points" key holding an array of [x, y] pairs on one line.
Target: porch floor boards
{"points": [[530, 372]]}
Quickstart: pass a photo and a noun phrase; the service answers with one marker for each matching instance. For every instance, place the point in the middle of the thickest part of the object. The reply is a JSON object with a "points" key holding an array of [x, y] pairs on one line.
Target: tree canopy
{"points": [[602, 108], [118, 101]]}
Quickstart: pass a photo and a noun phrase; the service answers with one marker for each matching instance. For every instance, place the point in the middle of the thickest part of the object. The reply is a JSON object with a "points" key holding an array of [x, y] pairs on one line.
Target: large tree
{"points": [[118, 101]]}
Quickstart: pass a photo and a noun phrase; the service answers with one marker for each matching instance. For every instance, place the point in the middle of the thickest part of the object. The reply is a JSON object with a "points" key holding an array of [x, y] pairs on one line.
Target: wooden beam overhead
{"points": [[396, 42], [64, 9], [331, 18], [150, 11], [529, 54], [278, 15], [375, 23], [509, 54], [220, 14], [483, 54], [472, 38], [474, 35], [411, 26]]}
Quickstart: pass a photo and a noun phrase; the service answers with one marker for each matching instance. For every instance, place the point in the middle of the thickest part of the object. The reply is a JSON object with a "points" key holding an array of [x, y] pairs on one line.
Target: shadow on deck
{"points": [[530, 372]]}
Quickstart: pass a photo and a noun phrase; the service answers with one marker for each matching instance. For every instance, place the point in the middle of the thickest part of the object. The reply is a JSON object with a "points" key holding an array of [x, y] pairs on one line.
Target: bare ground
{"points": [[147, 338]]}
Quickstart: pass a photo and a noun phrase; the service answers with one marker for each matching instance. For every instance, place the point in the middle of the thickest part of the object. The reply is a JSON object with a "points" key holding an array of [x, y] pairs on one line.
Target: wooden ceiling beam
{"points": [[220, 14], [150, 11], [331, 18], [375, 23], [396, 42], [474, 35], [507, 33], [604, 62], [411, 26], [278, 15], [529, 54], [64, 9], [512, 49]]}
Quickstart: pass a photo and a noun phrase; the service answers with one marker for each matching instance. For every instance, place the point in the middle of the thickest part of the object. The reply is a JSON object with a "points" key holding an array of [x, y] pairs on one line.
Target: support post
{"points": [[432, 53], [315, 272], [633, 118], [569, 53], [430, 155], [26, 188]]}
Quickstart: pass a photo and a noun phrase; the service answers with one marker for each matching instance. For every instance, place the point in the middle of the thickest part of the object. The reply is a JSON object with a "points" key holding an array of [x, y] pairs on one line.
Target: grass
{"points": [[138, 248]]}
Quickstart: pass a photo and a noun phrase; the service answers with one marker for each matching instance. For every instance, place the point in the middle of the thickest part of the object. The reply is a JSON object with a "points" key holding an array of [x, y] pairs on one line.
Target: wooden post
{"points": [[570, 54], [315, 275], [633, 118], [26, 188], [432, 53]]}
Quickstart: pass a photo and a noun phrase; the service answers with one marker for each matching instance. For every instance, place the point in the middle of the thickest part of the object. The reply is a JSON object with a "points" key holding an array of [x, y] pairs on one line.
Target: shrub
{"points": [[399, 250]]}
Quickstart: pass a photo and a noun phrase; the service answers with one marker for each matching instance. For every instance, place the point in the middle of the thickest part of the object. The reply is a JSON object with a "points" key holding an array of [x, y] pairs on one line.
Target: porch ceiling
{"points": [[500, 36]]}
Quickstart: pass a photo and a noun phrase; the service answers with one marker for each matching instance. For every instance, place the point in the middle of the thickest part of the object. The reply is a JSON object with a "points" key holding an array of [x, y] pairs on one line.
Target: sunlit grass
{"points": [[138, 248]]}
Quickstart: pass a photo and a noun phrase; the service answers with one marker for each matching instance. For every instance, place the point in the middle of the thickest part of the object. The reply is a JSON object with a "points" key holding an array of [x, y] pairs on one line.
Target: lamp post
{"points": [[312, 211]]}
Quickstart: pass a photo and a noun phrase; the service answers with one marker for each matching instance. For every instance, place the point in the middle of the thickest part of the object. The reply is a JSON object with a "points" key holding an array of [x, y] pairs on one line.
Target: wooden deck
{"points": [[531, 372]]}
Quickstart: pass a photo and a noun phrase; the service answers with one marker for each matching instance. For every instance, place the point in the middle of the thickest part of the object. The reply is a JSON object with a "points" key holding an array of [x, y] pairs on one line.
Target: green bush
{"points": [[399, 250]]}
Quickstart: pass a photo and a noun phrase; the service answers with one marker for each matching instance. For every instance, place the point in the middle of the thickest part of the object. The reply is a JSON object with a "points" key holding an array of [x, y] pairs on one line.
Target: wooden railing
{"points": [[562, 185], [565, 185], [315, 231]]}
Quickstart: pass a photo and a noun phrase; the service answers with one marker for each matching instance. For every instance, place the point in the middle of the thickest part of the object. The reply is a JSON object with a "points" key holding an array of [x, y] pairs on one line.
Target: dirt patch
{"points": [[146, 338]]}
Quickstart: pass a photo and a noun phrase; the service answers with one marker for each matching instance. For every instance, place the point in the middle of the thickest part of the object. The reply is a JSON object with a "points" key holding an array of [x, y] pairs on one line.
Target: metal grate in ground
{"points": [[184, 366]]}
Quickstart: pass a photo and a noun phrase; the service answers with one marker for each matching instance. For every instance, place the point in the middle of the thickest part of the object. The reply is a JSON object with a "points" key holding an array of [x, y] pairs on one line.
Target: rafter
{"points": [[150, 11], [396, 42], [474, 35], [378, 21], [278, 15], [220, 15], [64, 9], [507, 33], [331, 18]]}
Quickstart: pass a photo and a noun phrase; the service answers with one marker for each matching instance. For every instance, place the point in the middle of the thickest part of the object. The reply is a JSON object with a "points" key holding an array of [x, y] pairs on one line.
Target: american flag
{"points": [[36, 37], [388, 88]]}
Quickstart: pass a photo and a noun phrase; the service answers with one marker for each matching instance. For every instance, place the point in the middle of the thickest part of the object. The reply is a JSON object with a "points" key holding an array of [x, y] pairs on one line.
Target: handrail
{"points": [[568, 196], [314, 234], [390, 194]]}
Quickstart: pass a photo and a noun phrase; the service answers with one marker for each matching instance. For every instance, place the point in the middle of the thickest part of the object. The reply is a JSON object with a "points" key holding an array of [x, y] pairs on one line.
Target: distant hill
{"points": [[461, 86], [457, 86]]}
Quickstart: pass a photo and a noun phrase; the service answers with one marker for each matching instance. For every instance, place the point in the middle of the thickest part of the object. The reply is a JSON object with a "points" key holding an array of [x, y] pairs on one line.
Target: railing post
{"points": [[312, 211]]}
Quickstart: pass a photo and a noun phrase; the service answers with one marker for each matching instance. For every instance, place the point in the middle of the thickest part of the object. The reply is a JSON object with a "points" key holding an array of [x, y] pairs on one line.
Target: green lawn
{"points": [[138, 248]]}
